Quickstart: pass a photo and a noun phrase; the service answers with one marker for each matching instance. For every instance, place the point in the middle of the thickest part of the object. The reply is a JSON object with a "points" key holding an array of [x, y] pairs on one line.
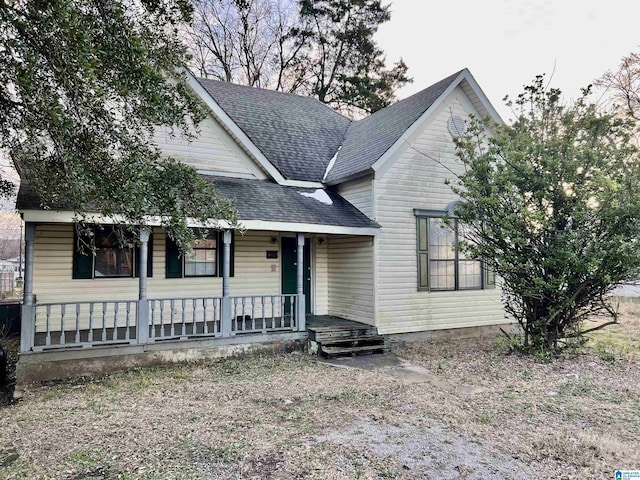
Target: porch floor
{"points": [[320, 323]]}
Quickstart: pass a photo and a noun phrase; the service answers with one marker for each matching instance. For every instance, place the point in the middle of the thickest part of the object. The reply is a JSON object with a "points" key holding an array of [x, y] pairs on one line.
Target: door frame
{"points": [[312, 266]]}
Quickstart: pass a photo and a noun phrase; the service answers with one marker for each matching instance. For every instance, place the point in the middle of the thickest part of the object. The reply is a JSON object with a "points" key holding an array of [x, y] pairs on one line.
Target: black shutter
{"points": [[173, 265], [149, 258], [220, 246], [82, 259]]}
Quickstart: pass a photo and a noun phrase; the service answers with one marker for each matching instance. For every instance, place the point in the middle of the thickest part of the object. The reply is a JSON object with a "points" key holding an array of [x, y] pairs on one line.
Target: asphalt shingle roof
{"points": [[368, 139], [262, 200], [256, 200], [298, 135]]}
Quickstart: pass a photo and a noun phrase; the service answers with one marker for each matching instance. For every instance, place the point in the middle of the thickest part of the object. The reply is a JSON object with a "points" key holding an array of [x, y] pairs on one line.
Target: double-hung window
{"points": [[205, 259], [113, 259], [442, 264]]}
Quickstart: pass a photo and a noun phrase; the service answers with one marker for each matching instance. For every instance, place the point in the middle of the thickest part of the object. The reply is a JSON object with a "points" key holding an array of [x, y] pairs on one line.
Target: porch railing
{"points": [[171, 318], [263, 314], [87, 324], [71, 324]]}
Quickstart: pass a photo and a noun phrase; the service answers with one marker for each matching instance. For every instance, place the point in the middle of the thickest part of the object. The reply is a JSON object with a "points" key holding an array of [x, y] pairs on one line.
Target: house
{"points": [[342, 223]]}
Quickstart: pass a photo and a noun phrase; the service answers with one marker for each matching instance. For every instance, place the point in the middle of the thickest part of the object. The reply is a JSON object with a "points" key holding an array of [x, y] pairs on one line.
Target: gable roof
{"points": [[368, 139], [298, 139], [298, 135]]}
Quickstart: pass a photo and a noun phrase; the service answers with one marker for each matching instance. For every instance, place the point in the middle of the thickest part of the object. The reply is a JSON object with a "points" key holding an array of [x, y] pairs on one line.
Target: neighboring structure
{"points": [[363, 199], [6, 279]]}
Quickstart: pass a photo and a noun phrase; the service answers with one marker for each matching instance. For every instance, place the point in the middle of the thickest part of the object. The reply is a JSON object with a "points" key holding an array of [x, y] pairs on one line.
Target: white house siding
{"points": [[212, 151], [351, 278], [321, 275], [53, 283], [359, 193], [416, 179]]}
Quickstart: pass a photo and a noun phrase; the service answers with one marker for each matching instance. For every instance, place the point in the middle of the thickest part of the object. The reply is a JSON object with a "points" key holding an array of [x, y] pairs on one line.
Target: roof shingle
{"points": [[298, 135], [256, 200], [368, 139]]}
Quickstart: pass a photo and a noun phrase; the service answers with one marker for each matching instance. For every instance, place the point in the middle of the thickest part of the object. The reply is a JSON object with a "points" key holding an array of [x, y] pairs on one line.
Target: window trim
{"points": [[440, 214]]}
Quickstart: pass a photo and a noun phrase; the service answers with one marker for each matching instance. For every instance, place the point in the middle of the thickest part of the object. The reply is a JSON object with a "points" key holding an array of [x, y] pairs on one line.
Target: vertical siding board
{"points": [[321, 276], [417, 180]]}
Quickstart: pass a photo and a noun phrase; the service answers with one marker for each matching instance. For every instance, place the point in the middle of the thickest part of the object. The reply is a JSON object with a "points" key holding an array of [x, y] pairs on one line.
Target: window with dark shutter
{"points": [[442, 264], [206, 260], [101, 256]]}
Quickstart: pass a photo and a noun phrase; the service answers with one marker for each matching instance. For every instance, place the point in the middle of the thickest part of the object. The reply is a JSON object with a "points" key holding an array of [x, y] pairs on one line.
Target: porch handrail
{"points": [[100, 322]]}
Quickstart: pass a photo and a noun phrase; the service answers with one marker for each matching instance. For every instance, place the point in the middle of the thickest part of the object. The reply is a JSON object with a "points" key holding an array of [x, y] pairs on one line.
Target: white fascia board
{"points": [[495, 116], [50, 216], [233, 128], [464, 75], [214, 173], [308, 228]]}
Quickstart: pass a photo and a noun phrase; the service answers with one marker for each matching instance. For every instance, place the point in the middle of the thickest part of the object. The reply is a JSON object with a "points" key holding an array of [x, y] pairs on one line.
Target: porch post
{"points": [[28, 310], [225, 308], [300, 303], [142, 320]]}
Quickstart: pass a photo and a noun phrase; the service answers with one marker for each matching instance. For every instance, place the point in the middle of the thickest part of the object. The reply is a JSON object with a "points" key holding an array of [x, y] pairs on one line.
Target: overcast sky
{"points": [[506, 44]]}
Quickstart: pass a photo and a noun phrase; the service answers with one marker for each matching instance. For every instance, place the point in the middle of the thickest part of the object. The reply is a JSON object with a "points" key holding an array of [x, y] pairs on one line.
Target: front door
{"points": [[290, 266]]}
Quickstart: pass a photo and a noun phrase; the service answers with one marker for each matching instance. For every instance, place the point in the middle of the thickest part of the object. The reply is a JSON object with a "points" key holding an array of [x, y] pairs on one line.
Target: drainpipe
{"points": [[28, 309], [225, 307], [300, 302]]}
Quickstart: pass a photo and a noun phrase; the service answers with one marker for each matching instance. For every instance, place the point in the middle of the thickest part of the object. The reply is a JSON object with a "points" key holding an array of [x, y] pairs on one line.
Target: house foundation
{"points": [[62, 364]]}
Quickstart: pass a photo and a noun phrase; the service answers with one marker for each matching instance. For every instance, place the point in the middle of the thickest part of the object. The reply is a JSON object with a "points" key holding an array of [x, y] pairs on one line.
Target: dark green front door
{"points": [[289, 269]]}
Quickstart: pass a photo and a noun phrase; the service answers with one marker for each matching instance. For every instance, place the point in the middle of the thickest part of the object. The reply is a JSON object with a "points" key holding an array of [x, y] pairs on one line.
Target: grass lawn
{"points": [[481, 413]]}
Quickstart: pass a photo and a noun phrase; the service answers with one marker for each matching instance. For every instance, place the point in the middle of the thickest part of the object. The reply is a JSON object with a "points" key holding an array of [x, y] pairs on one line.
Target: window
{"points": [[104, 256], [442, 265], [111, 259], [204, 261]]}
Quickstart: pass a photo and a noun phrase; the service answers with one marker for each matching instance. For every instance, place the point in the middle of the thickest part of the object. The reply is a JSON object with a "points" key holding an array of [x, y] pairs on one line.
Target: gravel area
{"points": [[430, 451]]}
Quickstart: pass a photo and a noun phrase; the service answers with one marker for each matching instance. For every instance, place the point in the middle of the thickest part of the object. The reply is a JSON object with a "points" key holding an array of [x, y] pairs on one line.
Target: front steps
{"points": [[345, 338]]}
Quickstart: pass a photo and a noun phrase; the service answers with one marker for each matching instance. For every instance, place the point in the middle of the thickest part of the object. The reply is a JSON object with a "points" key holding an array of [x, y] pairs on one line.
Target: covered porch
{"points": [[55, 325], [301, 253]]}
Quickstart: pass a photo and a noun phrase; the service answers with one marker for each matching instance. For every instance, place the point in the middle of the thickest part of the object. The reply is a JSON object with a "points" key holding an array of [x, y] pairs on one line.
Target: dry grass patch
{"points": [[286, 416], [233, 418], [577, 416]]}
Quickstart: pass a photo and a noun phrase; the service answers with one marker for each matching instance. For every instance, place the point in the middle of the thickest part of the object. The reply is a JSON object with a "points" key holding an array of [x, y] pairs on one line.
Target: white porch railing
{"points": [[89, 324], [263, 314], [172, 318], [62, 325]]}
